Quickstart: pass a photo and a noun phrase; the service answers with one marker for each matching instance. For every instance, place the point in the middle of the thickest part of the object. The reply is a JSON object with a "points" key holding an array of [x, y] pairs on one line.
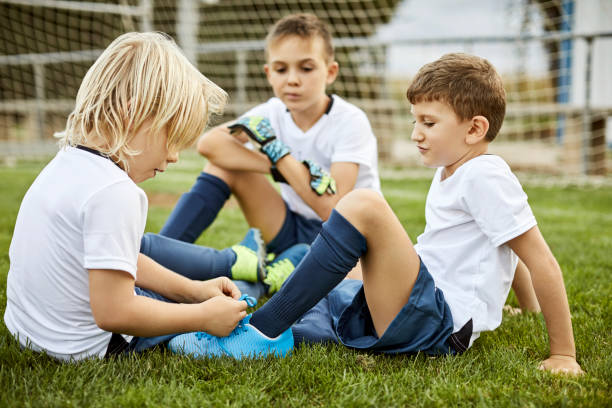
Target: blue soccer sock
{"points": [[196, 209], [332, 255], [190, 260]]}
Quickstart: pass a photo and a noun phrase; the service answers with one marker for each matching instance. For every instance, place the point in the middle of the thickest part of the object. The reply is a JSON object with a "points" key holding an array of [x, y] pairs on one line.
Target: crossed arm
{"points": [[209, 306], [227, 151], [547, 281]]}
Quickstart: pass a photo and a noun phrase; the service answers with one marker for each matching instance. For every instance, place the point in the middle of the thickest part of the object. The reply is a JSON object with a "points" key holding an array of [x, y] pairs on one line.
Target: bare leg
{"points": [[391, 265], [363, 227], [261, 204], [355, 273]]}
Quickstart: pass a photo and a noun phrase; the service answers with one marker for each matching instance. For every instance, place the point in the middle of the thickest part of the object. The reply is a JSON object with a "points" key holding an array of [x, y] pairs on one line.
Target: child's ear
{"points": [[332, 72], [267, 71], [478, 130]]}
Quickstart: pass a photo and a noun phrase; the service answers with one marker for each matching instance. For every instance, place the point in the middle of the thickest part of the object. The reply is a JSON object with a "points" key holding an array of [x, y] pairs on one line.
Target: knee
{"points": [[228, 176], [362, 206], [204, 145]]}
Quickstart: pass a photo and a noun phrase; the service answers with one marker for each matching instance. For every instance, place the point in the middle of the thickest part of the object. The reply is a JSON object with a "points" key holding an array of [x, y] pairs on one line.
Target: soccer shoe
{"points": [[250, 258], [245, 341], [279, 270]]}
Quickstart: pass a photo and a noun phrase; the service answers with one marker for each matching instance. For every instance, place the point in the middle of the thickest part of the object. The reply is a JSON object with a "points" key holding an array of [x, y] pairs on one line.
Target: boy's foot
{"points": [[279, 270], [250, 258], [244, 342]]}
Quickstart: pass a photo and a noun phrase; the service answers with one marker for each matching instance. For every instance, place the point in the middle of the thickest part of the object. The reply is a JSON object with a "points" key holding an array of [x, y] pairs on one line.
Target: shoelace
{"points": [[251, 301]]}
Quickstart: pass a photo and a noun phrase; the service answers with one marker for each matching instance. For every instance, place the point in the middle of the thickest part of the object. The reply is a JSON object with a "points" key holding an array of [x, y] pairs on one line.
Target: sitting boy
{"points": [[437, 296], [315, 134], [77, 285]]}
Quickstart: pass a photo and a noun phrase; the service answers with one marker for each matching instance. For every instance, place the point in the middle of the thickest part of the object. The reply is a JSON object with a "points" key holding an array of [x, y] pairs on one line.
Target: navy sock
{"points": [[332, 255], [190, 260], [196, 209]]}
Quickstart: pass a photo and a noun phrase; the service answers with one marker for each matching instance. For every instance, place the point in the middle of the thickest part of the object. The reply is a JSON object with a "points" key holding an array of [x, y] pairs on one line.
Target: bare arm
{"points": [[523, 289], [173, 286], [550, 291], [298, 177], [116, 308], [227, 151]]}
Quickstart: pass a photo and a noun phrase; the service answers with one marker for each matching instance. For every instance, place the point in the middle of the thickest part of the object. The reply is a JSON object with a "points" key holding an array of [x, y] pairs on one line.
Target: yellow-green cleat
{"points": [[250, 258], [283, 265]]}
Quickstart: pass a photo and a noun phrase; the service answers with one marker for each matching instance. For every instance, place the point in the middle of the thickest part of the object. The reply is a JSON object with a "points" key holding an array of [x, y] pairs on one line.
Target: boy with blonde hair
{"points": [[318, 146], [437, 296], [74, 255]]}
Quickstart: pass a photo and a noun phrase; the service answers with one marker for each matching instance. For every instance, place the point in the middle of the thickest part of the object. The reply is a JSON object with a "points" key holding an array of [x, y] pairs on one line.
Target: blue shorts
{"points": [[424, 324], [296, 229]]}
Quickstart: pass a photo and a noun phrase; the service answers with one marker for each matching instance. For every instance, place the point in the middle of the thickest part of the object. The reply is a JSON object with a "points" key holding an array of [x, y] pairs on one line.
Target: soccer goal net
{"points": [[554, 57]]}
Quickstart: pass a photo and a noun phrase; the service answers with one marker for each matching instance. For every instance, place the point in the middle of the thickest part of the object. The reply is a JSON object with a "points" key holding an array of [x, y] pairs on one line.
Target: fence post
{"points": [[593, 128], [598, 148], [187, 28], [241, 74], [39, 89], [146, 24], [586, 113]]}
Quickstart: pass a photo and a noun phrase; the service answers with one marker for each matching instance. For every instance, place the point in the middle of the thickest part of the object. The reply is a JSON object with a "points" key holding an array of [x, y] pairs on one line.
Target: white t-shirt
{"points": [[82, 212], [343, 134], [470, 216]]}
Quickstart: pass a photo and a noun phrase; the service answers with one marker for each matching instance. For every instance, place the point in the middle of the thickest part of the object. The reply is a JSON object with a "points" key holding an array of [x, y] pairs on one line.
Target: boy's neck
{"points": [[479, 150], [307, 119]]}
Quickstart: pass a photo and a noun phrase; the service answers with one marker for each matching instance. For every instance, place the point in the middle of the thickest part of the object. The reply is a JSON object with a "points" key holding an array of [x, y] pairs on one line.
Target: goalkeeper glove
{"points": [[260, 131]]}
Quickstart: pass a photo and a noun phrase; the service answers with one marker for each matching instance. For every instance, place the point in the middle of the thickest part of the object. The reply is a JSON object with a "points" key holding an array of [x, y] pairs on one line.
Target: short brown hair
{"points": [[469, 84], [303, 25]]}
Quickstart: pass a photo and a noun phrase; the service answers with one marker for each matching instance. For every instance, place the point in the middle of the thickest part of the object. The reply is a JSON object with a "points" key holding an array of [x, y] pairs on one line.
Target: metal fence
{"points": [[542, 131]]}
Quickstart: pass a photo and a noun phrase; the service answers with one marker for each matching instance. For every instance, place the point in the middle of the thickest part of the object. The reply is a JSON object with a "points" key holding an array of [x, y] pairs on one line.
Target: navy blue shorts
{"points": [[424, 324], [296, 229]]}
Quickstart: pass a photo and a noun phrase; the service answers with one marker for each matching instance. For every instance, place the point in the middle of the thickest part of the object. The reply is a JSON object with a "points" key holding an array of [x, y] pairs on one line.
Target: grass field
{"points": [[499, 370]]}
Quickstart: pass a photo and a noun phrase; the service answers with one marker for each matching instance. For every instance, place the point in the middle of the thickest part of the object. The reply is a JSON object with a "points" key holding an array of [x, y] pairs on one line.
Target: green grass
{"points": [[500, 370]]}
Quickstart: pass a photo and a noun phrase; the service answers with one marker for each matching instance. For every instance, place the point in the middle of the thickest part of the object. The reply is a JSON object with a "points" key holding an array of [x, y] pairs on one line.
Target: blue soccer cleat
{"points": [[250, 258], [244, 342], [283, 265]]}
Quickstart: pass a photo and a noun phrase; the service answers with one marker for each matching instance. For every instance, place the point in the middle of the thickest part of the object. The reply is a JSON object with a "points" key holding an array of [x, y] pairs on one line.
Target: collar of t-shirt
{"points": [[97, 153], [329, 105], [316, 125]]}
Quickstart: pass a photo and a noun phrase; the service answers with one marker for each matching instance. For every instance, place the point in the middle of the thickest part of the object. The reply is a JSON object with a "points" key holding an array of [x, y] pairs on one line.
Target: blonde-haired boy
{"points": [[305, 126], [437, 296], [74, 256]]}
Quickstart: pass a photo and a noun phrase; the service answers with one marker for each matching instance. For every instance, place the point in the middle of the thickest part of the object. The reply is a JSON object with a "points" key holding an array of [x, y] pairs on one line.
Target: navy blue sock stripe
{"points": [[332, 255], [197, 209]]}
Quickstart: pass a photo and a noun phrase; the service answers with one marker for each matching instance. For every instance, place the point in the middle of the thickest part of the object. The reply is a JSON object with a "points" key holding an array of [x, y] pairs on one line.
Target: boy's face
{"points": [[154, 156], [299, 72], [441, 136]]}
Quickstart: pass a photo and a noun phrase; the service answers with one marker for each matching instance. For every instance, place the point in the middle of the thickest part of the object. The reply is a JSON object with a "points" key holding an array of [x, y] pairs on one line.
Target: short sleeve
{"points": [[355, 140], [495, 199], [113, 223], [259, 110]]}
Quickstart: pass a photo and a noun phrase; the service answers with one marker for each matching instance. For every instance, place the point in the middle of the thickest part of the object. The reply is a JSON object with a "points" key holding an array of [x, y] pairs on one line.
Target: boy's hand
{"points": [[257, 128], [320, 180], [558, 364], [222, 315], [221, 286], [260, 131]]}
